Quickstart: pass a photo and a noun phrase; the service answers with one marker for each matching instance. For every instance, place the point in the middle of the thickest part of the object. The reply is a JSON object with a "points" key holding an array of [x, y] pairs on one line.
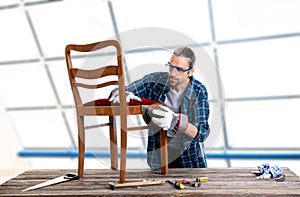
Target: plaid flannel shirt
{"points": [[155, 86]]}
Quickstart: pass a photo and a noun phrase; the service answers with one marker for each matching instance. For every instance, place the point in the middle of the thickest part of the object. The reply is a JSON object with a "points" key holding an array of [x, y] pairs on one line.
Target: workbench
{"points": [[221, 181]]}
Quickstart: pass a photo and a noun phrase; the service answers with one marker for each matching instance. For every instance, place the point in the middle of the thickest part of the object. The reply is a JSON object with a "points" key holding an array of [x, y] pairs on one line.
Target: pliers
{"points": [[191, 183]]}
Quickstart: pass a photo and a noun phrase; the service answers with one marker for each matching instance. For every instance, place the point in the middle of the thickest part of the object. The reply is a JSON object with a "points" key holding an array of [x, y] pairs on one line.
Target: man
{"points": [[185, 116]]}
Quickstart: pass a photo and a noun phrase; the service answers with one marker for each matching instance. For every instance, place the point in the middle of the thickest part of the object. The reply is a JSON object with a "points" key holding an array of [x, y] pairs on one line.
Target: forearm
{"points": [[184, 126], [195, 130], [191, 131]]}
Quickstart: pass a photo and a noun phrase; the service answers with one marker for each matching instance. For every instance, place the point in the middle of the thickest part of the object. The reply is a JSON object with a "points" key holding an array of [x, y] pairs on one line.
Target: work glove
{"points": [[267, 171], [165, 118], [129, 96]]}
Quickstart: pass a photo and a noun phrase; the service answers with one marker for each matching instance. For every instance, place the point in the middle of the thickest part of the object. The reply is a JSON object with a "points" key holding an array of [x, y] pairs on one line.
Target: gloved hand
{"points": [[165, 118], [129, 96]]}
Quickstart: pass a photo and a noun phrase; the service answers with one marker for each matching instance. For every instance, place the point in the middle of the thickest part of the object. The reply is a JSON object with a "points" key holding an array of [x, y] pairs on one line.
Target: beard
{"points": [[174, 81]]}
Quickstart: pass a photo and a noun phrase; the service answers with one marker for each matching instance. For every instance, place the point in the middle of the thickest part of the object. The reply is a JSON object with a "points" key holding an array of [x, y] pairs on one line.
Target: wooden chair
{"points": [[102, 107]]}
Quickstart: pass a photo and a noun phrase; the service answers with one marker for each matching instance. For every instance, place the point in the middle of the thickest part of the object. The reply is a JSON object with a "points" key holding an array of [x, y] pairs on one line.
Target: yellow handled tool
{"points": [[177, 185], [202, 179]]}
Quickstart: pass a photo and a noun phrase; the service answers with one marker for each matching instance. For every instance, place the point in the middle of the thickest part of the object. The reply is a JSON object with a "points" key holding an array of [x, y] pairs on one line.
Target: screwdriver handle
{"points": [[202, 179], [177, 185]]}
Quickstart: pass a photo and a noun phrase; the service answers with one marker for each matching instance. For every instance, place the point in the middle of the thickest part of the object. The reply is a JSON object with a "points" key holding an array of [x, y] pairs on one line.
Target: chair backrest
{"points": [[102, 71]]}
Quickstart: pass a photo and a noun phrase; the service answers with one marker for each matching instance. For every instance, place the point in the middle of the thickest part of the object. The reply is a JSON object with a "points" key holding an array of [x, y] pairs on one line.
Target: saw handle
{"points": [[71, 176]]}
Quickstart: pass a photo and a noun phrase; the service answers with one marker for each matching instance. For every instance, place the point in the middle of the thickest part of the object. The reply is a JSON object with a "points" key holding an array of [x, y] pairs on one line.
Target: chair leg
{"points": [[123, 156], [81, 145], [113, 144], [164, 152]]}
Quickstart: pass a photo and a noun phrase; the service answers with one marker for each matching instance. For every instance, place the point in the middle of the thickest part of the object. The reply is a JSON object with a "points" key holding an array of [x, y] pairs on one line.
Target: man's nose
{"points": [[172, 72]]}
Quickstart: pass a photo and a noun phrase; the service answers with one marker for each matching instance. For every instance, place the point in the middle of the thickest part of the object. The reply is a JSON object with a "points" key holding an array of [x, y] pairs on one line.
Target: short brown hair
{"points": [[187, 53]]}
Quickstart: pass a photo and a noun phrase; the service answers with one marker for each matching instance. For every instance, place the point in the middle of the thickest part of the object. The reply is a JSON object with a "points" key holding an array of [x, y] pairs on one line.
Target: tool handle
{"points": [[71, 176], [202, 179], [177, 185], [184, 182], [135, 184]]}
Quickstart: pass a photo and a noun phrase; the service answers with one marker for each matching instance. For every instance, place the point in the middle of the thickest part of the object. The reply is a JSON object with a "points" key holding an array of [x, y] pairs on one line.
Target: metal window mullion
{"points": [[221, 93]]}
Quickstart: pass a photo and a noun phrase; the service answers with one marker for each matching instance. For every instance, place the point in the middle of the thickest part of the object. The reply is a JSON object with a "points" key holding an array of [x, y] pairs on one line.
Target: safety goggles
{"points": [[176, 68]]}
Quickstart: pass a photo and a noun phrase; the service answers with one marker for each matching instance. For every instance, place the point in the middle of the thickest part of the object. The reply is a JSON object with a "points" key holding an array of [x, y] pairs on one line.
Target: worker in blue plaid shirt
{"points": [[185, 116]]}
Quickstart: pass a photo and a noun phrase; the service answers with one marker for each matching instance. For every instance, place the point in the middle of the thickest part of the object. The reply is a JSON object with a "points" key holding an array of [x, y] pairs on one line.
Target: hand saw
{"points": [[61, 179]]}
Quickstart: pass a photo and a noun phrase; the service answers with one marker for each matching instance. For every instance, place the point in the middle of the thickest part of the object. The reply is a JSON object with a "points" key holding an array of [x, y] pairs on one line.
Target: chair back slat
{"points": [[94, 74], [101, 85], [93, 46]]}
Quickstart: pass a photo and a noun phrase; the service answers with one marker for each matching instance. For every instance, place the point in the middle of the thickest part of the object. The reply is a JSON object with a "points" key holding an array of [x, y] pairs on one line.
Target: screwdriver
{"points": [[202, 179], [177, 185]]}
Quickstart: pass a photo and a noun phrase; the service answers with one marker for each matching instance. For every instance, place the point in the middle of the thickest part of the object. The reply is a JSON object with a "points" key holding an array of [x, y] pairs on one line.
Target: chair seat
{"points": [[106, 102]]}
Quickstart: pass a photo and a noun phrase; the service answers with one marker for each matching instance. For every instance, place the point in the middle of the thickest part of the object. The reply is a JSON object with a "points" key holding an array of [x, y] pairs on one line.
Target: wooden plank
{"points": [[221, 181]]}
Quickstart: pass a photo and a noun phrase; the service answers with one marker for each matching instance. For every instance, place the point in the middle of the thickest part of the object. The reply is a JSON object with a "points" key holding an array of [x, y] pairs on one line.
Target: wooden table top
{"points": [[221, 181]]}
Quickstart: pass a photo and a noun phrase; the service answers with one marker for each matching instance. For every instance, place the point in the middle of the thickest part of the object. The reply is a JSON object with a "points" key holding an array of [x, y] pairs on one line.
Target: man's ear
{"points": [[190, 73]]}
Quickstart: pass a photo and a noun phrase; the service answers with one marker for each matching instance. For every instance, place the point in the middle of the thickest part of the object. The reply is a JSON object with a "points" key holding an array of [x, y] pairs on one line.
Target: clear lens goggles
{"points": [[176, 68]]}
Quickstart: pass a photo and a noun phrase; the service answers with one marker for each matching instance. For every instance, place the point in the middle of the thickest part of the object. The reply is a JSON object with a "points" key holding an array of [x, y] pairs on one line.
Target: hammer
{"points": [[113, 185]]}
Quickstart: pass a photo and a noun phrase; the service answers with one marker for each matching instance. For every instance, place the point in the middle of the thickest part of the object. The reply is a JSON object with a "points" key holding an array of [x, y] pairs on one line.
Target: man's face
{"points": [[177, 77]]}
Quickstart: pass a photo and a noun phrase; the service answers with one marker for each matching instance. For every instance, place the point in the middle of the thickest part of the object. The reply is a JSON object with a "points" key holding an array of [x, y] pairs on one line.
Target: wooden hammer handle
{"points": [[135, 184]]}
